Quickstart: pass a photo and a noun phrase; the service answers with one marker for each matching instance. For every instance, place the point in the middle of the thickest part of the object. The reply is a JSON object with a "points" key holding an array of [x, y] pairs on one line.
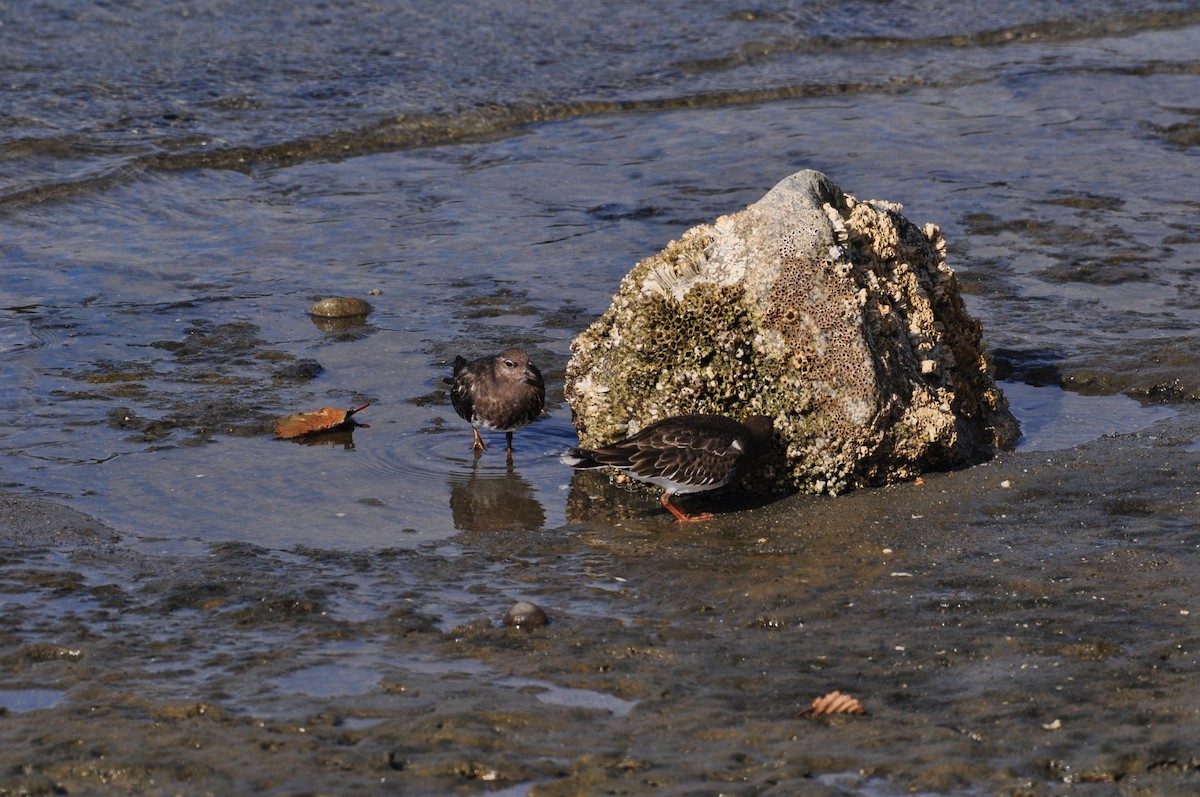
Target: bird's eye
{"points": [[510, 363]]}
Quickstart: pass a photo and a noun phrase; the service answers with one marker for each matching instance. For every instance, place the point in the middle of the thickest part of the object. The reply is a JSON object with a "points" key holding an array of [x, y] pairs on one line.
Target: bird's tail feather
{"points": [[579, 458]]}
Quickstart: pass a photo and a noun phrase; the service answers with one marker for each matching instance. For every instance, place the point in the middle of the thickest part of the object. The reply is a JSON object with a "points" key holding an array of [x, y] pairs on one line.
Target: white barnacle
{"points": [[660, 280], [673, 280], [835, 220]]}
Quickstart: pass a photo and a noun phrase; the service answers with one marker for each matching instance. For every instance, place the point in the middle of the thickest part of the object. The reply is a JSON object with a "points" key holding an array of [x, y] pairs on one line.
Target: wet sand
{"points": [[1024, 627]]}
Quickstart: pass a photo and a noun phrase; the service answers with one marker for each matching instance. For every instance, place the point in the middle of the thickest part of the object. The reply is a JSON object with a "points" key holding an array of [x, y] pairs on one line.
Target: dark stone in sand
{"points": [[526, 615]]}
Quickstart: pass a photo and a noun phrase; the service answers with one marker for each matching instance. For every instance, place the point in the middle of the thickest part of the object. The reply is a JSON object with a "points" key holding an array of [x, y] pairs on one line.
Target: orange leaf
{"points": [[833, 703], [326, 419]]}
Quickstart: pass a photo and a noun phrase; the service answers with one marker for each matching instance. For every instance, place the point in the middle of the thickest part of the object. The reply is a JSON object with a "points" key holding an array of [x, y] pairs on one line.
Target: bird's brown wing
{"points": [[684, 453], [462, 389]]}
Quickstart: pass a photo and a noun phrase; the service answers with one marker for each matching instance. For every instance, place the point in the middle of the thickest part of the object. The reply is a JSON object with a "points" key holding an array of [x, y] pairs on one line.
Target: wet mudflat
{"points": [[1025, 627]]}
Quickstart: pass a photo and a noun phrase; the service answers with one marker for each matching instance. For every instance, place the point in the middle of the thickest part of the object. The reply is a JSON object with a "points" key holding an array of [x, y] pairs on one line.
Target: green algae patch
{"points": [[215, 379]]}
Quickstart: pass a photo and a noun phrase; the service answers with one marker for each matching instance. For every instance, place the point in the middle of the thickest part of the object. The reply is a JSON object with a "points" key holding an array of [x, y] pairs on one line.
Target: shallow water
{"points": [[173, 201], [513, 248], [1053, 419]]}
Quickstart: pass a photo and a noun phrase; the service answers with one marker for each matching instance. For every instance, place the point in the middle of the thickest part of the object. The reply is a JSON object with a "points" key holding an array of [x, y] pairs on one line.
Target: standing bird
{"points": [[504, 392], [684, 454]]}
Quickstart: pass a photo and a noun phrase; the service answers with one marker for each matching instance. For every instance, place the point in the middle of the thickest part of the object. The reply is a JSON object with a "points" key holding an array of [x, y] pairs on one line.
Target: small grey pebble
{"points": [[524, 614], [299, 370]]}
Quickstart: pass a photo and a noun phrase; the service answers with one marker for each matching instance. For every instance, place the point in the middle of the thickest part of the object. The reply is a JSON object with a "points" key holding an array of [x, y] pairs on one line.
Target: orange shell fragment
{"points": [[833, 703], [326, 419]]}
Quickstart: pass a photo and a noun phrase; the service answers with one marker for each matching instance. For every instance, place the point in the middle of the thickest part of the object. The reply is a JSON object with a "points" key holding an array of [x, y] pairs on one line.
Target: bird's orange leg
{"points": [[508, 451], [479, 444], [680, 515]]}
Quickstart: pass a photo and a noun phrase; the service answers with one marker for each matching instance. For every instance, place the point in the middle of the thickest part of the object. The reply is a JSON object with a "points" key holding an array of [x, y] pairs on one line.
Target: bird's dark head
{"points": [[512, 365], [762, 429]]}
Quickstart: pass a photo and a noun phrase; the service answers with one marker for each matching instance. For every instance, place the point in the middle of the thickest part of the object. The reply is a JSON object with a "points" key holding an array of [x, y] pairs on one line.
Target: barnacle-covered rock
{"points": [[838, 318]]}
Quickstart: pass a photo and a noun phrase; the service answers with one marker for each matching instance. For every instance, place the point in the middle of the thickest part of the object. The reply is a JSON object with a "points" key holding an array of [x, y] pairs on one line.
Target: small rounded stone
{"points": [[340, 307], [524, 614]]}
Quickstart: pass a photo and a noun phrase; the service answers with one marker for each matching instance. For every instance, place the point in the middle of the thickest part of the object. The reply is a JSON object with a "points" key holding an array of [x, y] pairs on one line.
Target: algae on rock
{"points": [[838, 318]]}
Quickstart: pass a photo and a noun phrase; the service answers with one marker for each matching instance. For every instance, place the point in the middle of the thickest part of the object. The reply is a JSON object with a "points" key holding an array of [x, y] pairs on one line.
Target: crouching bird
{"points": [[684, 454], [502, 393]]}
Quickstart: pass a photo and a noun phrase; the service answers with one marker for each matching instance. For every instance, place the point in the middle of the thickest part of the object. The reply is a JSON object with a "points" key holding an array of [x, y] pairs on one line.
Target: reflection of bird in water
{"points": [[684, 454], [502, 393], [480, 502]]}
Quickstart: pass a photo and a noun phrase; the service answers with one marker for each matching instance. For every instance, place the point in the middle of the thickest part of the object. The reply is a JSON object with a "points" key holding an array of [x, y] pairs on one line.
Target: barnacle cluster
{"points": [[838, 318]]}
